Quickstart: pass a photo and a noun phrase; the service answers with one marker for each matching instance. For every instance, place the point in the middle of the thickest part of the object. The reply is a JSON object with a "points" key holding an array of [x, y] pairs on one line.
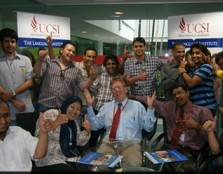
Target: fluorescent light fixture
{"points": [[119, 13]]}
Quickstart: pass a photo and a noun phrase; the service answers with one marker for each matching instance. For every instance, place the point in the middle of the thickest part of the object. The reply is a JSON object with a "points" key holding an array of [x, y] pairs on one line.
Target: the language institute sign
{"points": [[206, 28], [34, 28]]}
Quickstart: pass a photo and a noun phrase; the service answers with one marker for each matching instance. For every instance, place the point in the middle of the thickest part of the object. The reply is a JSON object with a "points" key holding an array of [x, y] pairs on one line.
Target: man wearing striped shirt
{"points": [[201, 83], [60, 78]]}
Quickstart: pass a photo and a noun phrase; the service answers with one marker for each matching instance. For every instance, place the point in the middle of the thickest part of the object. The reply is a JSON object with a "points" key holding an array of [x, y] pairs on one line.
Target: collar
{"points": [[187, 107], [174, 63], [123, 102], [136, 61], [58, 62], [4, 56]]}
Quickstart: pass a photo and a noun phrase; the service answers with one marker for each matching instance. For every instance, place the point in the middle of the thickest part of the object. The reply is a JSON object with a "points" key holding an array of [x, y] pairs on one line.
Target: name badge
{"points": [[182, 137]]}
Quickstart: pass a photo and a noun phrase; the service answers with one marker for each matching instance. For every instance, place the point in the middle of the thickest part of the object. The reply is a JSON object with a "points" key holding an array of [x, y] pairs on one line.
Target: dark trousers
{"points": [[57, 168]]}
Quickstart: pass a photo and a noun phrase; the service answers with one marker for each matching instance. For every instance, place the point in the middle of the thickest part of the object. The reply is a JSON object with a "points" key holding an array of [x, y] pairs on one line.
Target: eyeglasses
{"points": [[62, 76], [5, 116], [117, 88], [179, 93]]}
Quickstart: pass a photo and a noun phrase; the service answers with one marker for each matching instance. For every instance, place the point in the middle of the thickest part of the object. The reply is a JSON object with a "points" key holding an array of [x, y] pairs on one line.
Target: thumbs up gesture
{"points": [[86, 124]]}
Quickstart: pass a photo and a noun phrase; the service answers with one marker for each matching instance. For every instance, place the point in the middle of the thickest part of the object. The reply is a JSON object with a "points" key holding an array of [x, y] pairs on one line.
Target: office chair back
{"points": [[27, 121]]}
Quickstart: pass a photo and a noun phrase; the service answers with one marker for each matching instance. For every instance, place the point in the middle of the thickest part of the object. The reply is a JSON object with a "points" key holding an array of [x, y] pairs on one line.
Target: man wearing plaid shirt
{"points": [[140, 71]]}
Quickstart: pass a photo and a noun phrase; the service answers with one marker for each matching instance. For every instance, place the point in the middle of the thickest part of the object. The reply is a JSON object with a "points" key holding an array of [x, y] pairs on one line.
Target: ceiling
{"points": [[80, 11]]}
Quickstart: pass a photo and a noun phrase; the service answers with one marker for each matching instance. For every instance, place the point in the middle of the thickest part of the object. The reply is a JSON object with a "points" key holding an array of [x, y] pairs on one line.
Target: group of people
{"points": [[118, 97]]}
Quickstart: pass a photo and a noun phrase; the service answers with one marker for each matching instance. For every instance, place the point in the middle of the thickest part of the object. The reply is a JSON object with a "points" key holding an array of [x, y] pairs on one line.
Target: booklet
{"points": [[165, 156], [98, 159]]}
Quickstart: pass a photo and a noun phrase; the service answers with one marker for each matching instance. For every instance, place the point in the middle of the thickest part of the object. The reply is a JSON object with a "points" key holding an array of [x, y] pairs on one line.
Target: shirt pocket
{"points": [[130, 122]]}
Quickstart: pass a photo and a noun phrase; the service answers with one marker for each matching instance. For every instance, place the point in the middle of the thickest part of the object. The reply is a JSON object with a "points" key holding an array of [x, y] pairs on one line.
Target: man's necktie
{"points": [[176, 134], [115, 123]]}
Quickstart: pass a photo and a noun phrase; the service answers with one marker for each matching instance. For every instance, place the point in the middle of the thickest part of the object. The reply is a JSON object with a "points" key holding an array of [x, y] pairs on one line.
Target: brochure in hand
{"points": [[165, 156], [98, 159]]}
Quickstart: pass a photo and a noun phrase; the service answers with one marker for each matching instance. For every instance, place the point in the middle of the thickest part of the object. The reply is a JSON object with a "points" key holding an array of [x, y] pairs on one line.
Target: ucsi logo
{"points": [[44, 28], [193, 27]]}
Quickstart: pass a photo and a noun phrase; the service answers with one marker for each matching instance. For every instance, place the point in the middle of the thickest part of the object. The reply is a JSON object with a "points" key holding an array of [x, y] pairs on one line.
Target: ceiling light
{"points": [[119, 13]]}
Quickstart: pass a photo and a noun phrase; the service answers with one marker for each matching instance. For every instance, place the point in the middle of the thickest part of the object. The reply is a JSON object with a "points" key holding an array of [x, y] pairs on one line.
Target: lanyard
{"points": [[121, 109]]}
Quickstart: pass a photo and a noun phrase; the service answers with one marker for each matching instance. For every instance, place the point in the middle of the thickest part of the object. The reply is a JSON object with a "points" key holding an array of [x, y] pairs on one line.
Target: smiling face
{"points": [[111, 67], [139, 49], [197, 56], [178, 53], [67, 53], [8, 45], [73, 110], [89, 58], [180, 96], [119, 90]]}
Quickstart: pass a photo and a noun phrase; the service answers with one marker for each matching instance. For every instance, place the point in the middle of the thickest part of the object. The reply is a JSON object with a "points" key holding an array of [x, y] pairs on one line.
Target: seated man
{"points": [[184, 122], [17, 146], [133, 118]]}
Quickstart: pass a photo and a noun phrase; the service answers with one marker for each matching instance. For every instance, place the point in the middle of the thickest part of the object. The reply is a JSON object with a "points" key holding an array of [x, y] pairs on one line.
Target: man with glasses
{"points": [[140, 71], [184, 122], [123, 120]]}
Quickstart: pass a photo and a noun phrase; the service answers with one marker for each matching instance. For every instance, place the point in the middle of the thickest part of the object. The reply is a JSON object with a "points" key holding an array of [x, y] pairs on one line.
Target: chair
{"points": [[203, 154], [27, 121], [204, 165]]}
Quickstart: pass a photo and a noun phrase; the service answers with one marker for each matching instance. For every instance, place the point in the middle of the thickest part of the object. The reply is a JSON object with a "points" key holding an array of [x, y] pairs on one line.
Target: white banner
{"points": [[34, 28], [206, 28]]}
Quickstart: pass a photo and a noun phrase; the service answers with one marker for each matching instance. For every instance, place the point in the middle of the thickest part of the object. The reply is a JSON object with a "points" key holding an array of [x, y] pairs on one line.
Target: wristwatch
{"points": [[13, 93]]}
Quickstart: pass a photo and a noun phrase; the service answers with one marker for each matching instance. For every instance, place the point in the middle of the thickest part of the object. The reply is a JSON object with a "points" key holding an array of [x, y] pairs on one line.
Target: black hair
{"points": [[40, 49], [184, 87], [201, 47], [111, 57], [218, 56], [66, 43], [69, 100], [140, 40], [8, 32], [90, 49], [177, 44]]}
